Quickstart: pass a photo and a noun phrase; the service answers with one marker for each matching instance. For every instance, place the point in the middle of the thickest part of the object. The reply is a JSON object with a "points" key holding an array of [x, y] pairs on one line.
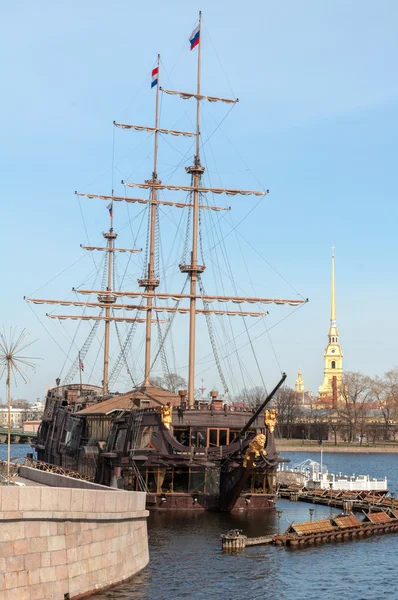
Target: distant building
{"points": [[31, 426], [303, 398], [330, 390], [18, 415]]}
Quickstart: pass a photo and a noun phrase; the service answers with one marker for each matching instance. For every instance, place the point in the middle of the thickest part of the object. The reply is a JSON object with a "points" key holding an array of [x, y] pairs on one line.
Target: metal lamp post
{"points": [[12, 362], [279, 513], [330, 501]]}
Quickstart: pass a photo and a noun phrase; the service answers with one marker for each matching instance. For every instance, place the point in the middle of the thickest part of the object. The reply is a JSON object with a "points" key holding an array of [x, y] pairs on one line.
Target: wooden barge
{"points": [[339, 528]]}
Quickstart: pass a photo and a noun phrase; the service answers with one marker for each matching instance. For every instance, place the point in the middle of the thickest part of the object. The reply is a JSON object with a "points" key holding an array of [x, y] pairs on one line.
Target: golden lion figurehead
{"points": [[256, 447]]}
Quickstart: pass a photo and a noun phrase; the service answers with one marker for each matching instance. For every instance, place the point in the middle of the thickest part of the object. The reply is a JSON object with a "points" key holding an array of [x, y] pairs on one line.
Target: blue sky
{"points": [[317, 124]]}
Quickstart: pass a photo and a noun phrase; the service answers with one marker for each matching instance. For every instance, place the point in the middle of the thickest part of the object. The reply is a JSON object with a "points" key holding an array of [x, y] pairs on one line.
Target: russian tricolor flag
{"points": [[155, 75], [110, 208], [195, 37]]}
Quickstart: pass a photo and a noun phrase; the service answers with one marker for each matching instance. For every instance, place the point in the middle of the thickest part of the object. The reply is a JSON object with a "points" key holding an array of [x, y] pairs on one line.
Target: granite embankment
{"points": [[59, 543]]}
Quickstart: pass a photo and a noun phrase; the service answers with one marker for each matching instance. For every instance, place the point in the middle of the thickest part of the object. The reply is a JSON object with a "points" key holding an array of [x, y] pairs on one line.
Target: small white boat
{"points": [[312, 474]]}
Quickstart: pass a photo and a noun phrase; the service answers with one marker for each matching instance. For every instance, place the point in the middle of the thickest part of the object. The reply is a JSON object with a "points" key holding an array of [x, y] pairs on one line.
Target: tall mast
{"points": [[108, 299], [194, 269], [198, 92], [151, 282]]}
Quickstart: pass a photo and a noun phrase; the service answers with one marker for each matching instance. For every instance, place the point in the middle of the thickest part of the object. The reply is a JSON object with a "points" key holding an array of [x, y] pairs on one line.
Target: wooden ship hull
{"points": [[204, 458]]}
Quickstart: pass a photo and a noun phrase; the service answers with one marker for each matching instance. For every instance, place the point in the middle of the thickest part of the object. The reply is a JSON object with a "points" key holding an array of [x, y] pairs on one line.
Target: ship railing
{"points": [[48, 468]]}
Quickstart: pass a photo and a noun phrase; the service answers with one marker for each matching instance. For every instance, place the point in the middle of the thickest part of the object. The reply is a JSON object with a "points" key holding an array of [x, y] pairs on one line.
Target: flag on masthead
{"points": [[155, 74], [110, 208], [195, 37], [81, 365]]}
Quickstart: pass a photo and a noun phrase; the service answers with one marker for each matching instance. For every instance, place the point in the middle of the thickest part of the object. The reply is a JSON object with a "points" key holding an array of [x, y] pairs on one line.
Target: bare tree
{"points": [[355, 394], [373, 430], [252, 397], [172, 382], [334, 424], [285, 402], [385, 393]]}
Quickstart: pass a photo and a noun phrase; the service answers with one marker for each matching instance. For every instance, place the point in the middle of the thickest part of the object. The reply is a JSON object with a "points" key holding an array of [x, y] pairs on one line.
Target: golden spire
{"points": [[333, 355], [333, 298], [299, 382], [333, 331]]}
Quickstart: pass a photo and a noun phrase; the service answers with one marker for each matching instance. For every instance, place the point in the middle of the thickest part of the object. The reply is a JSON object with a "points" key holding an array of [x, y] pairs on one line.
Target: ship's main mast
{"points": [[108, 300], [194, 269], [151, 282]]}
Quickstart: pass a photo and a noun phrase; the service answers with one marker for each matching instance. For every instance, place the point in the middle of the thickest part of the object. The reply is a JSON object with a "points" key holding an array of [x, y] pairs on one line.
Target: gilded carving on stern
{"points": [[167, 415], [270, 419]]}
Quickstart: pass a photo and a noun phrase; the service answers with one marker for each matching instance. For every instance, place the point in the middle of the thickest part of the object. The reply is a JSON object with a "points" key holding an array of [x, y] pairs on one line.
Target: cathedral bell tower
{"points": [[333, 355]]}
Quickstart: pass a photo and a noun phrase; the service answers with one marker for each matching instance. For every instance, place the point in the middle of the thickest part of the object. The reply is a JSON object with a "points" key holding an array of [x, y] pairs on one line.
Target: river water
{"points": [[17, 451], [186, 561]]}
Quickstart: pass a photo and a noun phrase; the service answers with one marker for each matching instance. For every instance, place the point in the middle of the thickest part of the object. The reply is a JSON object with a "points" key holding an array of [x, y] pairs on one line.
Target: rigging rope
{"points": [[211, 336], [146, 260], [219, 283], [96, 358], [82, 353], [123, 347], [165, 366], [117, 328], [187, 236], [157, 243], [169, 324]]}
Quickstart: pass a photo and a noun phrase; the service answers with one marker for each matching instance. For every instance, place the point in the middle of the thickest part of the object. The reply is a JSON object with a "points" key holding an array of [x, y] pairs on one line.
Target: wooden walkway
{"points": [[348, 501], [257, 541]]}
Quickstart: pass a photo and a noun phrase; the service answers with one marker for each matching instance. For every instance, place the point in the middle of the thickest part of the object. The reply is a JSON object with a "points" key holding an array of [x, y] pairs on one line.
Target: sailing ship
{"points": [[184, 451]]}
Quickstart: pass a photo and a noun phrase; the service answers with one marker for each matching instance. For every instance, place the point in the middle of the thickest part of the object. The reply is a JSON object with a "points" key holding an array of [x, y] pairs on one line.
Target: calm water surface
{"points": [[187, 562], [17, 451]]}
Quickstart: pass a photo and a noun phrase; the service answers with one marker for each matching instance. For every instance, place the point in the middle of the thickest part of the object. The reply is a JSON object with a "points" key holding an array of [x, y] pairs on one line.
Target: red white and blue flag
{"points": [[110, 208], [155, 77], [195, 37]]}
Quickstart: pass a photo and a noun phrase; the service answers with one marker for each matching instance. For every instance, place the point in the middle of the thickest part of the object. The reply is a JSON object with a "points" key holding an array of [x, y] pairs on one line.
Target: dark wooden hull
{"points": [[196, 463], [208, 502]]}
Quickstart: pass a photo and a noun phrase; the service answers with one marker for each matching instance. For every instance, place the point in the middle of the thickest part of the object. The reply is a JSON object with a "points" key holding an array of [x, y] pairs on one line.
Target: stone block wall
{"points": [[58, 541]]}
